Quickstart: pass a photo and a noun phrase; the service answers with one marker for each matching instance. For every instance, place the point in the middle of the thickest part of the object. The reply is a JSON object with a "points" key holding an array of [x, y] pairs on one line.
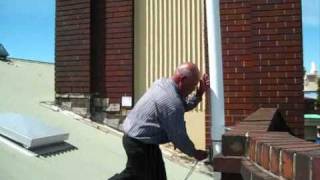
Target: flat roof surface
{"points": [[98, 156]]}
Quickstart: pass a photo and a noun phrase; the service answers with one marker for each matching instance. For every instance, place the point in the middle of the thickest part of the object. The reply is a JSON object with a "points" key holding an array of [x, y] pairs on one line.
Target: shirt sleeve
{"points": [[191, 102], [174, 126]]}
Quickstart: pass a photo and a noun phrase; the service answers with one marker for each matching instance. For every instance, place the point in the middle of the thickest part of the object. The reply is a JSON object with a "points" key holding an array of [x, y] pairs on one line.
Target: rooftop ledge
{"points": [[262, 147]]}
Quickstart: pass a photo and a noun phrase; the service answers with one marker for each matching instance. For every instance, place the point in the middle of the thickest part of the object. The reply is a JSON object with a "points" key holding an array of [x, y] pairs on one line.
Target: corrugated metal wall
{"points": [[167, 33], [173, 35]]}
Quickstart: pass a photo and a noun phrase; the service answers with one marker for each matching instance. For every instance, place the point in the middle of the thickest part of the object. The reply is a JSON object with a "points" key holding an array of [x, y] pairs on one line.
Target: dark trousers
{"points": [[144, 161]]}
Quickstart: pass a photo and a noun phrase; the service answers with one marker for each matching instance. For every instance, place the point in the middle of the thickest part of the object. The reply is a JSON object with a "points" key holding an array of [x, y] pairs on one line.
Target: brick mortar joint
{"points": [[264, 170]]}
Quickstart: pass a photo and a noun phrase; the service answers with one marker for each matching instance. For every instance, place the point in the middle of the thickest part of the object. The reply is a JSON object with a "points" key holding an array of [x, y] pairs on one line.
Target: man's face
{"points": [[188, 84]]}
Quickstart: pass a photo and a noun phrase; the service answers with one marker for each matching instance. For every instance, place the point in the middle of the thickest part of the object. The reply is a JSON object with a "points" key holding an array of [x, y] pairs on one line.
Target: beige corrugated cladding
{"points": [[168, 33]]}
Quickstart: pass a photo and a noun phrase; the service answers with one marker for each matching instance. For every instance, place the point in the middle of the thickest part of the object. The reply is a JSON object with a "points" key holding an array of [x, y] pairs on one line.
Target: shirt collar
{"points": [[175, 86]]}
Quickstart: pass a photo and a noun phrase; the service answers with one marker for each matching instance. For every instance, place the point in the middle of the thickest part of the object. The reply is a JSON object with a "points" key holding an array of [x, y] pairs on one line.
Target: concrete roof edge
{"points": [[30, 60]]}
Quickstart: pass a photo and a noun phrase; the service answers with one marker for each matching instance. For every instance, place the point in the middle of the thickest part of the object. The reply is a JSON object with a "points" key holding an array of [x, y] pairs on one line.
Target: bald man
{"points": [[157, 118]]}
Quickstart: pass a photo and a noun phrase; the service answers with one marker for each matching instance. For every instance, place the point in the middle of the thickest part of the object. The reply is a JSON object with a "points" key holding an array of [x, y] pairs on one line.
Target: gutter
{"points": [[216, 74]]}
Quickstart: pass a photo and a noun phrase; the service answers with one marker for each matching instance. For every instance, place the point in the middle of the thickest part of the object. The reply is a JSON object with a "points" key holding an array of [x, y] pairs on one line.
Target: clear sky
{"points": [[27, 29], [311, 32]]}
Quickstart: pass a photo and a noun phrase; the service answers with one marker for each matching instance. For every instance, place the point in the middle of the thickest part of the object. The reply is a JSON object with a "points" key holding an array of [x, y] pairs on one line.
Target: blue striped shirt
{"points": [[158, 117]]}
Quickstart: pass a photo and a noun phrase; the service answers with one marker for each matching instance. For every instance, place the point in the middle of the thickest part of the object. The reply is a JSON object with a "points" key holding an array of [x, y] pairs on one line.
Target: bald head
{"points": [[188, 70], [186, 77]]}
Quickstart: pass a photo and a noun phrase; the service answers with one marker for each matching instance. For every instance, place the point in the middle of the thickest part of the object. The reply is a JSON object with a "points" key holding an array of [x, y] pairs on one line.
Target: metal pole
{"points": [[191, 171]]}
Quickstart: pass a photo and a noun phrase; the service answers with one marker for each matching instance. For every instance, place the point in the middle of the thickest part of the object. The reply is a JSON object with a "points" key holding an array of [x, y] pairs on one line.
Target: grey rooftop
{"points": [[98, 155]]}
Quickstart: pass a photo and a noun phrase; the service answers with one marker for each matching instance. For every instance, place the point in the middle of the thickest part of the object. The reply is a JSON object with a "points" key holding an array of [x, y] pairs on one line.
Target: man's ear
{"points": [[182, 78]]}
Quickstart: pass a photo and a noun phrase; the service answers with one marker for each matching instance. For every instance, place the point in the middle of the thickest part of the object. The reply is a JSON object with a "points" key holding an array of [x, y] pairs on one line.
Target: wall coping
{"points": [[267, 149]]}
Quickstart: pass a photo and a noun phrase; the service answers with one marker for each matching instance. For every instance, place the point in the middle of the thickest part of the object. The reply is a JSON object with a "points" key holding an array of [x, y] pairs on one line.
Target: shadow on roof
{"points": [[53, 149]]}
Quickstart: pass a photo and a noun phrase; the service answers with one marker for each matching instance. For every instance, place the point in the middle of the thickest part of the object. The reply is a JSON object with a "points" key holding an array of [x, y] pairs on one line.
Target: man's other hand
{"points": [[200, 155], [204, 85]]}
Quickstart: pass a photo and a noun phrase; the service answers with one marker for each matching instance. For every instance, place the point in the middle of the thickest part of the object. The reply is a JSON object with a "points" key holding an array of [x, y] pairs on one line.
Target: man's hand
{"points": [[200, 155], [204, 85]]}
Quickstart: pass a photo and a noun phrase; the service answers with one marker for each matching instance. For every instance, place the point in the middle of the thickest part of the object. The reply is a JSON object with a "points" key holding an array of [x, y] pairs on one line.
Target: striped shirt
{"points": [[158, 117]]}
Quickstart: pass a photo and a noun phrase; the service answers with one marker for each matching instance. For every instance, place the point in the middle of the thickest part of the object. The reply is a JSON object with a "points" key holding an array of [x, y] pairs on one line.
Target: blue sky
{"points": [[27, 29], [311, 32]]}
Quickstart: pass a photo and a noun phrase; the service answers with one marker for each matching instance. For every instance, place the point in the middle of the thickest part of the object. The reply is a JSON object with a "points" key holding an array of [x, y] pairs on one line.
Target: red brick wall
{"points": [[94, 47], [262, 58], [208, 124], [119, 49], [72, 54]]}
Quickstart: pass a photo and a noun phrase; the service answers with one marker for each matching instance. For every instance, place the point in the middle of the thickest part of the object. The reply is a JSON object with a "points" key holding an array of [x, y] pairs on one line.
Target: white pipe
{"points": [[216, 74]]}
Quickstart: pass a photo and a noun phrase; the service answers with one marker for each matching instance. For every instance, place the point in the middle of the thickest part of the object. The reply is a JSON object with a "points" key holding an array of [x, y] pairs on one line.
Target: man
{"points": [[157, 118]]}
